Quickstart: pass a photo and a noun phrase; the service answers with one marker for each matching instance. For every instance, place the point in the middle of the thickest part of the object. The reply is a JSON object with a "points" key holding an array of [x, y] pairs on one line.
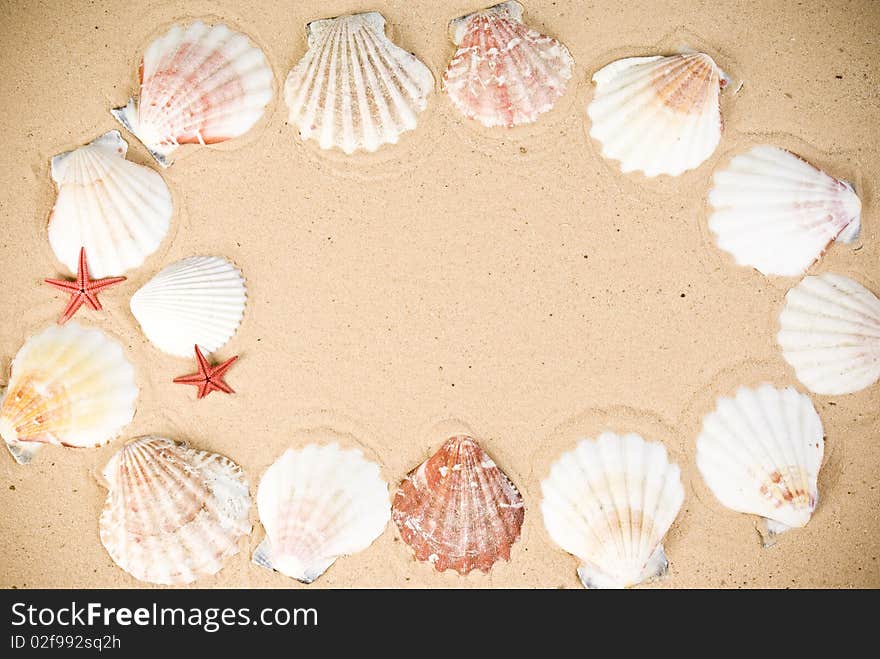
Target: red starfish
{"points": [[84, 290], [209, 378]]}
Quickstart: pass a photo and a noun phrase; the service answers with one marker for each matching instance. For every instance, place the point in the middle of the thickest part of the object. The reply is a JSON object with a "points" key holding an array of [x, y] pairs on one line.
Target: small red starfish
{"points": [[209, 378], [83, 290]]}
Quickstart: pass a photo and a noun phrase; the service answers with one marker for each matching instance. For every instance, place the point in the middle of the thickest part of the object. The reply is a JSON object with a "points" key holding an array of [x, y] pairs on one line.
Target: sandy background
{"points": [[513, 283]]}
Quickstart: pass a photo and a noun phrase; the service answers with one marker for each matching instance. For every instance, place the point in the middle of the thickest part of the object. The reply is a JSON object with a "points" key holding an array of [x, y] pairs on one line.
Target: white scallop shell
{"points": [[658, 115], [504, 73], [760, 454], [172, 513], [316, 504], [196, 301], [609, 502], [118, 210], [70, 386], [200, 84], [830, 334], [777, 213], [355, 89]]}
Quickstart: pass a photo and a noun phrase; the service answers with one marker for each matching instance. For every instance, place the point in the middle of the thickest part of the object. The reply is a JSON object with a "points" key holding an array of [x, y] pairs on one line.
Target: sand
{"points": [[512, 283]]}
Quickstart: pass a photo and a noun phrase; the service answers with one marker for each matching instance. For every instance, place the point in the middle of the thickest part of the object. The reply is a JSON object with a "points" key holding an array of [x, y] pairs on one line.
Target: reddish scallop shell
{"points": [[458, 510], [504, 73]]}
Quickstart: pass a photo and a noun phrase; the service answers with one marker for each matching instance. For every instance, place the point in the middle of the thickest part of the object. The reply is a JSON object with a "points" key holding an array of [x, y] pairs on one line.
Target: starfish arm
{"points": [[204, 366], [204, 389], [72, 307], [82, 272], [194, 378], [98, 285], [220, 385], [63, 285], [218, 371], [92, 300]]}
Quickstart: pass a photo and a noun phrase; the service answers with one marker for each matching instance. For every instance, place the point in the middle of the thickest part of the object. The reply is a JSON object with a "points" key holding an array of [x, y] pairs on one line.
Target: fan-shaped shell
{"points": [[458, 510], [199, 84], [658, 115], [118, 210], [829, 332], [504, 73], [777, 213], [354, 89], [760, 454], [316, 504], [70, 386], [609, 502], [196, 301], [172, 513]]}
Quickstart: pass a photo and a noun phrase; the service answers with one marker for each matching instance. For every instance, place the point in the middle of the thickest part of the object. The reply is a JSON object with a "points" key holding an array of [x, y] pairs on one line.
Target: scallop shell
{"points": [[458, 510], [196, 301], [760, 454], [316, 504], [118, 210], [504, 73], [199, 84], [354, 89], [658, 115], [609, 502], [70, 386], [777, 213], [172, 513], [830, 334]]}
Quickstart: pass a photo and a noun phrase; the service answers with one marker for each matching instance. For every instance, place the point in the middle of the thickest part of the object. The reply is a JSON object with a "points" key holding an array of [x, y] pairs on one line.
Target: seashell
{"points": [[70, 386], [316, 504], [760, 454], [458, 510], [658, 115], [609, 502], [196, 301], [199, 84], [172, 513], [777, 213], [118, 210], [830, 334], [355, 89], [504, 73]]}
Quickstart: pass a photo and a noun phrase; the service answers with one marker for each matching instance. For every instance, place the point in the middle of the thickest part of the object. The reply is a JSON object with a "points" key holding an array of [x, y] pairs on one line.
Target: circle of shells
{"points": [[610, 500]]}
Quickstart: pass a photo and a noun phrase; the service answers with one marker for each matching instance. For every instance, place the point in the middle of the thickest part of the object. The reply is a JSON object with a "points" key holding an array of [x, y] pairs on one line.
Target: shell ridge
{"points": [[395, 79], [396, 60], [378, 88]]}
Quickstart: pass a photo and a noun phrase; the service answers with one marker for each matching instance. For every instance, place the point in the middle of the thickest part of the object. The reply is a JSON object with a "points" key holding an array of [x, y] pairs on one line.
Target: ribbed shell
{"points": [[829, 332], [658, 115], [354, 89], [458, 510], [199, 84], [199, 300], [760, 454], [172, 513], [777, 213], [609, 502], [316, 504], [70, 386], [504, 73], [118, 210]]}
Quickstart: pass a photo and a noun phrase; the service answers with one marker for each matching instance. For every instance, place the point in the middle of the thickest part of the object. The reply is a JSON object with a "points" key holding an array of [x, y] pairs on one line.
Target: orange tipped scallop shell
{"points": [[458, 510], [658, 115], [70, 386]]}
